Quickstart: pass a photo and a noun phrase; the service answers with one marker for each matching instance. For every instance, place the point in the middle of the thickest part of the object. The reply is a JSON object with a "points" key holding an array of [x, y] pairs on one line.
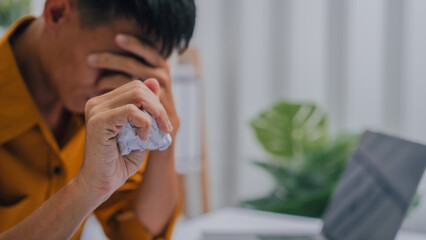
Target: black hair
{"points": [[170, 21]]}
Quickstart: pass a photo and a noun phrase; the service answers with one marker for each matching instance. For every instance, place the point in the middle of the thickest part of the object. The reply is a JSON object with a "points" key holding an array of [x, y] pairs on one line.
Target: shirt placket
{"points": [[56, 173]]}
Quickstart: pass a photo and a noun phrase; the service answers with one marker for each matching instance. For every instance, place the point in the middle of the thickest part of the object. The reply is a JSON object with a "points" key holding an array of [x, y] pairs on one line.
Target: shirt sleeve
{"points": [[118, 219]]}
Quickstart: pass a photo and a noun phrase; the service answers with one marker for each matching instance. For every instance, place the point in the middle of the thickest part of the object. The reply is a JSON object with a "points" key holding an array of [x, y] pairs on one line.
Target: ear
{"points": [[56, 12]]}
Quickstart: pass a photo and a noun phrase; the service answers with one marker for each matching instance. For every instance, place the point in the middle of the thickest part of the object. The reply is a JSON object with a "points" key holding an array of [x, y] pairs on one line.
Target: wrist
{"points": [[82, 188], [162, 161]]}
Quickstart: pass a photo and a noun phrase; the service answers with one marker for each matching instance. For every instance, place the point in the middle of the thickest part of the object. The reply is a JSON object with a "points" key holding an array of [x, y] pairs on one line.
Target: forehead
{"points": [[103, 36]]}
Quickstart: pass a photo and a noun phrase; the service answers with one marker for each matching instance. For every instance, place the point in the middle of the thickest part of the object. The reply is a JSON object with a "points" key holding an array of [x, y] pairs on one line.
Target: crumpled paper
{"points": [[128, 139]]}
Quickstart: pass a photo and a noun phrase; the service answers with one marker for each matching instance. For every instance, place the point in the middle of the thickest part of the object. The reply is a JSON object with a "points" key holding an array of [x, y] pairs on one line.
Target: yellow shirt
{"points": [[33, 167]]}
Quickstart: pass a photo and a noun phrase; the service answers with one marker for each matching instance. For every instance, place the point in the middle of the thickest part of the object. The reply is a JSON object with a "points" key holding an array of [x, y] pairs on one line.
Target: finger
{"points": [[113, 86], [135, 46], [139, 95], [117, 117], [124, 64], [108, 88], [142, 131], [120, 84], [153, 85], [124, 92], [135, 158], [138, 155]]}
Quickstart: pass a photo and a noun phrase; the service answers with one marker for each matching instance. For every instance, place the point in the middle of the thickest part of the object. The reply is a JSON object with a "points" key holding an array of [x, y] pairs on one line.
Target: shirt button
{"points": [[57, 170]]}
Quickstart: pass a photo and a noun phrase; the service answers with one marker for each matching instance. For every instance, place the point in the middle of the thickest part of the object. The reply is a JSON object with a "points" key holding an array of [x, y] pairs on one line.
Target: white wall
{"points": [[413, 90], [37, 7]]}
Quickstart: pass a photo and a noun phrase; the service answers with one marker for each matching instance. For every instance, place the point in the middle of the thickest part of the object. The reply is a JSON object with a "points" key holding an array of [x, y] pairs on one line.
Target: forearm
{"points": [[157, 195], [59, 217]]}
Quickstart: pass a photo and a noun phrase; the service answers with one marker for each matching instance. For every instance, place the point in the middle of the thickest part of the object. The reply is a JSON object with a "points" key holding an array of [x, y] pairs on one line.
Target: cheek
{"points": [[73, 79], [80, 86]]}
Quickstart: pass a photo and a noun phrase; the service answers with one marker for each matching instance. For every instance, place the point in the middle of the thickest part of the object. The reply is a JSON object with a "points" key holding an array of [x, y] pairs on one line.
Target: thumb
{"points": [[153, 85]]}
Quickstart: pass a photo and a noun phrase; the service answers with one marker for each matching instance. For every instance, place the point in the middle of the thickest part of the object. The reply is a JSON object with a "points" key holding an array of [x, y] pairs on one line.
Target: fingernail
{"points": [[122, 39], [93, 58]]}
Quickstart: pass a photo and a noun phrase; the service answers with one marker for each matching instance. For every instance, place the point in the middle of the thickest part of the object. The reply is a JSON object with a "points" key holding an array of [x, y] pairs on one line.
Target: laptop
{"points": [[372, 197]]}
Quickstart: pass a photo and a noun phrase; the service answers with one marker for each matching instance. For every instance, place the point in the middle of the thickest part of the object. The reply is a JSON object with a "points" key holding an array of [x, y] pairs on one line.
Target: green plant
{"points": [[11, 10], [306, 164]]}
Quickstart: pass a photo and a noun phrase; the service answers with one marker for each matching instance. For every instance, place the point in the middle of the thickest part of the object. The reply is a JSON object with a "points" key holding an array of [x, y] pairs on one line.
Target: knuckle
{"points": [[93, 121], [90, 104], [160, 115], [141, 88], [135, 83], [163, 113], [147, 121], [138, 94], [131, 109], [139, 85], [160, 111], [92, 111], [151, 97]]}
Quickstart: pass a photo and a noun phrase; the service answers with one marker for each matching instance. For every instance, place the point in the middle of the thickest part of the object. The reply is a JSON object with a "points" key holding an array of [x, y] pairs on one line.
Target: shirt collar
{"points": [[18, 111]]}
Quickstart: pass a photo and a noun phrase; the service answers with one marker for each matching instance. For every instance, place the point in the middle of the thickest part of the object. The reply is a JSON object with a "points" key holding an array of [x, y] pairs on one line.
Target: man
{"points": [[57, 167]]}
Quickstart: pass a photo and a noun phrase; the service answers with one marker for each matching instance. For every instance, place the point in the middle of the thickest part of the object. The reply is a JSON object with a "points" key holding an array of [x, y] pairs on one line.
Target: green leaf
{"points": [[289, 130], [12, 10], [307, 165], [311, 205], [326, 164], [287, 180]]}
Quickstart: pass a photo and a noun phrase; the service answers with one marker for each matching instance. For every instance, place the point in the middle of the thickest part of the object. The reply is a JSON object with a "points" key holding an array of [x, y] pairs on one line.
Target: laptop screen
{"points": [[376, 189]]}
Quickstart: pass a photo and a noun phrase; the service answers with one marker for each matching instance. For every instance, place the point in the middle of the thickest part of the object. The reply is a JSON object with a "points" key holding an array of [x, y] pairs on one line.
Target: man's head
{"points": [[170, 22], [74, 29]]}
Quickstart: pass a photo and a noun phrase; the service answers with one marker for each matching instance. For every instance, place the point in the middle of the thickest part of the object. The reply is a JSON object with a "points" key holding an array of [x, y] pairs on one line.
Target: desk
{"points": [[238, 220]]}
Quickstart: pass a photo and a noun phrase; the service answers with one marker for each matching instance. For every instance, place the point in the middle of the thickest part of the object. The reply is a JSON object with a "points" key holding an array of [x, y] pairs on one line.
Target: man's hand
{"points": [[156, 67], [157, 194], [104, 169]]}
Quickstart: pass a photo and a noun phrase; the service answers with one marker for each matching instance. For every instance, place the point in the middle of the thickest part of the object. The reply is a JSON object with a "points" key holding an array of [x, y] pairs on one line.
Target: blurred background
{"points": [[359, 62]]}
